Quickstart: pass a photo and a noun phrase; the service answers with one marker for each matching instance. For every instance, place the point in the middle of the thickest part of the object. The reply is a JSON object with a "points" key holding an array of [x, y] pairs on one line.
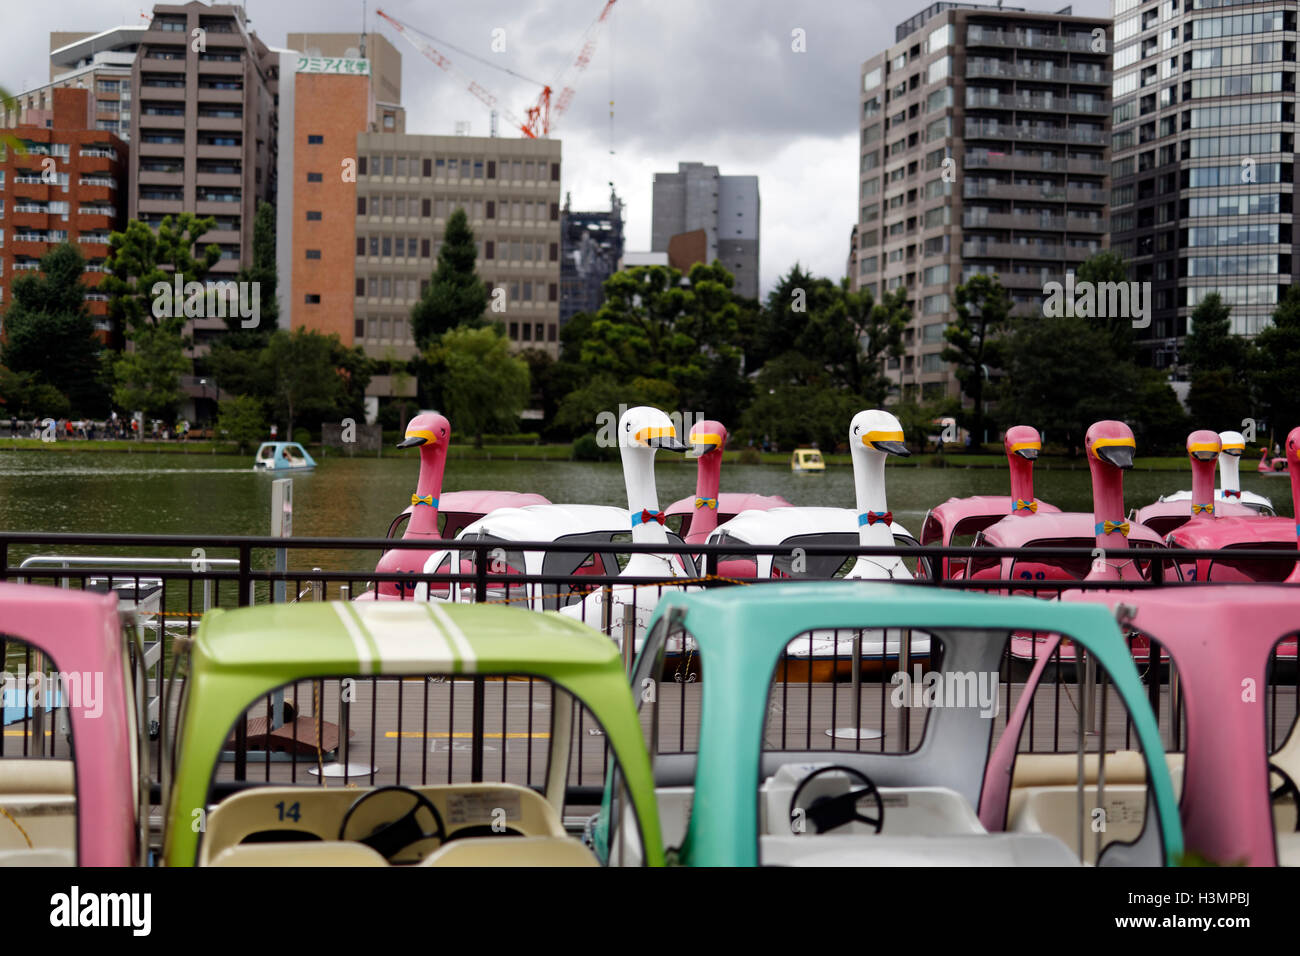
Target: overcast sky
{"points": [[710, 80]]}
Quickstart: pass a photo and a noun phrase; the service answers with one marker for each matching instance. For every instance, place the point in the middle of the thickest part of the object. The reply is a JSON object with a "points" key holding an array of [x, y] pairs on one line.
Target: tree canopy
{"points": [[455, 295]]}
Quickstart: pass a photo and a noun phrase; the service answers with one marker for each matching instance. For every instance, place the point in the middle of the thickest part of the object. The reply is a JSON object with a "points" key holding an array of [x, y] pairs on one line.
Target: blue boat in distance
{"points": [[282, 456]]}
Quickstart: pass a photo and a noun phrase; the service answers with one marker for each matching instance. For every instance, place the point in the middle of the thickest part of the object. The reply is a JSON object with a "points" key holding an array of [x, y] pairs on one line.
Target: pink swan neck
{"points": [[708, 481], [424, 519]]}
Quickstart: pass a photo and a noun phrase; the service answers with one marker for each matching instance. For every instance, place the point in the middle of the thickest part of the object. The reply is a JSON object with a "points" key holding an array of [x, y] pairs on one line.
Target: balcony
{"points": [[1010, 161], [1074, 42], [1014, 250], [94, 153], [1016, 220], [155, 122], [1029, 70], [102, 182]]}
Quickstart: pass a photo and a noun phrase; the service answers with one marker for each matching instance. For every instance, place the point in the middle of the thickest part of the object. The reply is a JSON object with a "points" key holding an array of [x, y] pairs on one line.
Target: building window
{"points": [[315, 139], [550, 330], [313, 177], [312, 298], [424, 248], [359, 328], [426, 207], [492, 169], [361, 288], [313, 215], [361, 205], [514, 330], [313, 253], [555, 174], [552, 294], [428, 168], [555, 211]]}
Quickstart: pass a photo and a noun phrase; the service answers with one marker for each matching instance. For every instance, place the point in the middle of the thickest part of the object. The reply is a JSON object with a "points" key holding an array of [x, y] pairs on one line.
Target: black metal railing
{"points": [[176, 578]]}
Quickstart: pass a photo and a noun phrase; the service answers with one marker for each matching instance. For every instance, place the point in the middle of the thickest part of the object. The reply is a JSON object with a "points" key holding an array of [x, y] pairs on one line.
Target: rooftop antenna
{"points": [[363, 29]]}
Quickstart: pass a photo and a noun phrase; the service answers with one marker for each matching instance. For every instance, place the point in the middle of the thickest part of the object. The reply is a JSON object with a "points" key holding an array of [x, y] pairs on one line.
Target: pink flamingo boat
{"points": [[90, 810], [1258, 533], [961, 517], [1203, 450], [1272, 468], [431, 514], [1232, 445], [1109, 446], [1221, 640], [711, 507]]}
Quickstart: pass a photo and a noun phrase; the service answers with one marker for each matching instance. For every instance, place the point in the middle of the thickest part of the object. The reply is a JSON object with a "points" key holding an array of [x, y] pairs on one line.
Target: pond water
{"points": [[150, 493]]}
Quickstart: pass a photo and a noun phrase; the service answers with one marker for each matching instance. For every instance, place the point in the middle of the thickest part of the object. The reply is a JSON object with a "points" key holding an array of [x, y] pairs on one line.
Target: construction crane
{"points": [[540, 114]]}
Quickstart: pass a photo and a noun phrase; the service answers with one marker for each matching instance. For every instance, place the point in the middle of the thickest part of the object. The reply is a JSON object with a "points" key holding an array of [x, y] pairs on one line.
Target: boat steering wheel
{"points": [[830, 813], [391, 838]]}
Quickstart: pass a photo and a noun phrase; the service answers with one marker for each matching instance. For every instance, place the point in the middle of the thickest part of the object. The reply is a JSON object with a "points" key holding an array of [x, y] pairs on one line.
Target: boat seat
{"points": [[1050, 769], [1055, 810], [318, 853], [320, 812], [521, 851], [40, 857], [48, 819], [993, 849], [36, 775]]}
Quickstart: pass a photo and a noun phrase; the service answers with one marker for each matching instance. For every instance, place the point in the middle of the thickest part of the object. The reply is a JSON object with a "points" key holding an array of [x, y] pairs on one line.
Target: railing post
{"points": [[245, 597], [480, 596]]}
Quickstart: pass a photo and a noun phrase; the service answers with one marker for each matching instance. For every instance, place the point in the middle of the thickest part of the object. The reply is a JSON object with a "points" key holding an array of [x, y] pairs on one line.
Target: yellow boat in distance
{"points": [[807, 460]]}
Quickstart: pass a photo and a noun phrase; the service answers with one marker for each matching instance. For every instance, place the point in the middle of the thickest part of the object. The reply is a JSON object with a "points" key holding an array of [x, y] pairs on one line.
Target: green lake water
{"points": [[150, 493]]}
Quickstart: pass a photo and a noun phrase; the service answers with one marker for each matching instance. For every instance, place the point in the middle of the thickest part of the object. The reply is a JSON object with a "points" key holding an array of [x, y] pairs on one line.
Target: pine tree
{"points": [[456, 295]]}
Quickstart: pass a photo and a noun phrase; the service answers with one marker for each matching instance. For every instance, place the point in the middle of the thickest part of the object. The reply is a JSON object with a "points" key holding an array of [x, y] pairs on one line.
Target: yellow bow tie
{"points": [[429, 500], [1203, 509], [1110, 527], [707, 503], [1022, 505]]}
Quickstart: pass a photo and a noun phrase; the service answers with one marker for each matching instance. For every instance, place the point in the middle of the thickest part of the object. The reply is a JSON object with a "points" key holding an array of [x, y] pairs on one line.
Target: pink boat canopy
{"points": [[730, 504], [80, 631], [1225, 806]]}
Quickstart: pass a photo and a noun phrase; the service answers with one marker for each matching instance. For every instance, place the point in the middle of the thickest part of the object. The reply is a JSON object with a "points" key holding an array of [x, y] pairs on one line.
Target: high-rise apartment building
{"points": [[725, 207], [1202, 173], [67, 186], [407, 188], [591, 247], [99, 63], [984, 149], [203, 131]]}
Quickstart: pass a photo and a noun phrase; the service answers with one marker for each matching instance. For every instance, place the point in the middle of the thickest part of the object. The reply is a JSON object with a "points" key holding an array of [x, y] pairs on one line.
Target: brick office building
{"points": [[69, 185]]}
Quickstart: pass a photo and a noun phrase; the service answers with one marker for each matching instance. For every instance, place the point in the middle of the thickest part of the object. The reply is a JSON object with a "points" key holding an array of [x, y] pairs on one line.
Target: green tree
{"points": [[786, 311], [1159, 423], [314, 376], [7, 139], [139, 258], [148, 375], [455, 295], [577, 412], [486, 386], [651, 325], [25, 397], [242, 419], [261, 272], [1058, 379], [983, 308], [48, 332], [1103, 267], [1219, 361], [1279, 364]]}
